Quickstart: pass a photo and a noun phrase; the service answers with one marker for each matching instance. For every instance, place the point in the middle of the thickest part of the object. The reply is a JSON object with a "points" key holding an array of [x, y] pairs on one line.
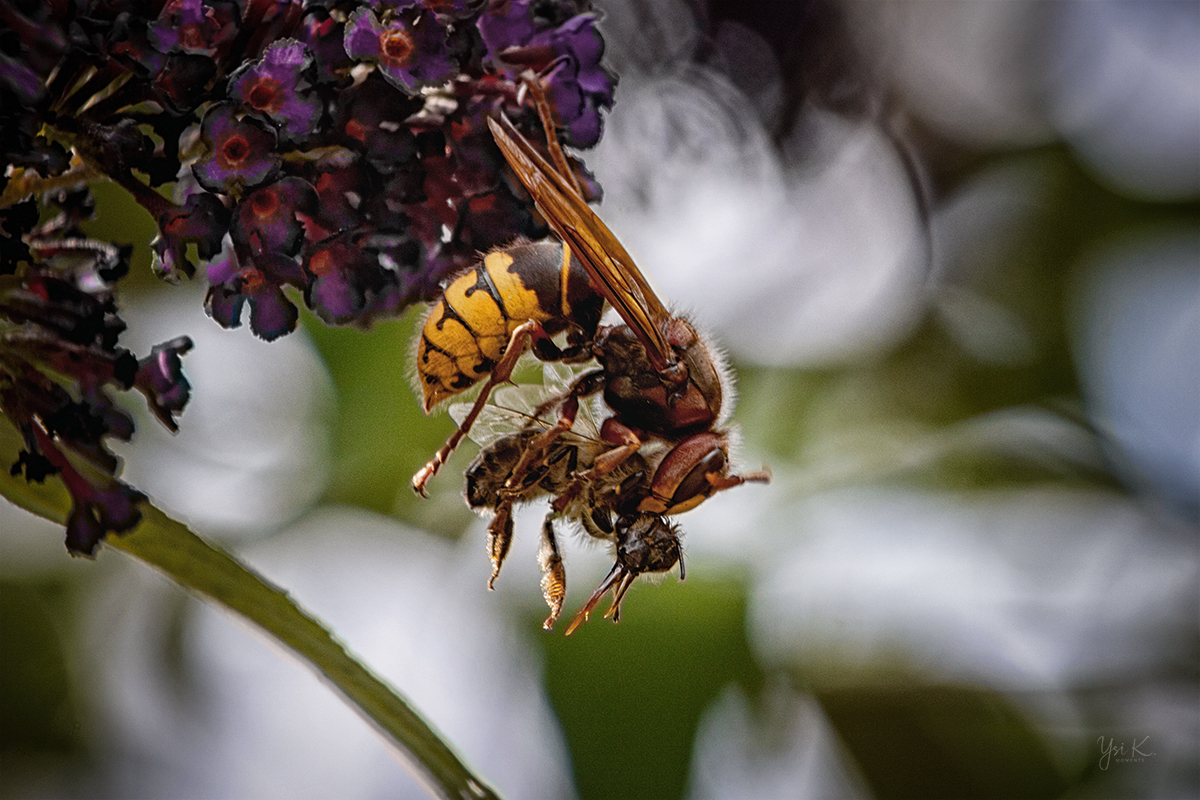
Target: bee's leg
{"points": [[499, 538], [585, 384], [529, 330], [538, 447], [554, 577], [625, 443]]}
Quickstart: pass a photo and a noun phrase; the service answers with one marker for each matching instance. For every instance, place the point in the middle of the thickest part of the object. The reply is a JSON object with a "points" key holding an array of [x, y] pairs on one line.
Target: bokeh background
{"points": [[953, 252]]}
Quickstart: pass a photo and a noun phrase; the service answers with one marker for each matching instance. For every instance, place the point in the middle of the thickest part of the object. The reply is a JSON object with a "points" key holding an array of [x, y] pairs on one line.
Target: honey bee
{"points": [[663, 385], [605, 508]]}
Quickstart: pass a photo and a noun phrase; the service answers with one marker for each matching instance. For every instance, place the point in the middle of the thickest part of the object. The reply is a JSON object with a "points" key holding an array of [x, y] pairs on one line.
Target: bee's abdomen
{"points": [[468, 329]]}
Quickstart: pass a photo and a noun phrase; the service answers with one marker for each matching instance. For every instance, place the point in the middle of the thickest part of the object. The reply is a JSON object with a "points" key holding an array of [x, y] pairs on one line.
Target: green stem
{"points": [[172, 548]]}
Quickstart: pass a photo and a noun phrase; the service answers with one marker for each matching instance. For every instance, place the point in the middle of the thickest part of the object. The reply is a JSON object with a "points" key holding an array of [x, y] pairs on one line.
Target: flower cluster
{"points": [[330, 153], [59, 360]]}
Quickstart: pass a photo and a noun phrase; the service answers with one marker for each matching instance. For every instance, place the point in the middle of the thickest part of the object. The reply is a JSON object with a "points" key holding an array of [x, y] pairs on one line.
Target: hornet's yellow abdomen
{"points": [[468, 328]]}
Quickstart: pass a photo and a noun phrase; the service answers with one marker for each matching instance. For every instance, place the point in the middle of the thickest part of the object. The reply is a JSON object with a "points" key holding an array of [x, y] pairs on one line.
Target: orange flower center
{"points": [[265, 94], [252, 280], [397, 47], [321, 262], [264, 204], [234, 151]]}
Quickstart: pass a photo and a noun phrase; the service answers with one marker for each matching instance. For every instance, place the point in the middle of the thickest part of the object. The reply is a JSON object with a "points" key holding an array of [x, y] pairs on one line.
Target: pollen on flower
{"points": [[264, 94], [396, 46], [234, 151], [252, 280], [321, 262], [192, 37], [264, 203], [356, 130]]}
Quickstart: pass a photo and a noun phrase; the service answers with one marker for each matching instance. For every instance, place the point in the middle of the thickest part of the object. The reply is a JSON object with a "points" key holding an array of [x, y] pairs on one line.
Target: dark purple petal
{"points": [[97, 510], [224, 304], [271, 86], [362, 273], [271, 314], [280, 270], [342, 273], [584, 130], [222, 270], [202, 221], [491, 219], [578, 37], [184, 77], [372, 116], [362, 35], [100, 503], [129, 42], [160, 378], [191, 26], [506, 25], [240, 152], [325, 38], [266, 220], [342, 187]]}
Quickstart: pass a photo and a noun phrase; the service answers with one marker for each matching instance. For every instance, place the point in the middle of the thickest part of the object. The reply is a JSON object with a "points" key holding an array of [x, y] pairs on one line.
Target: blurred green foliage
{"points": [[629, 697]]}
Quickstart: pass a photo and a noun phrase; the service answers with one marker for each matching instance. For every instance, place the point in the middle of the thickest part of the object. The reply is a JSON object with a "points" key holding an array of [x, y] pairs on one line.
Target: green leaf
{"points": [[216, 576]]}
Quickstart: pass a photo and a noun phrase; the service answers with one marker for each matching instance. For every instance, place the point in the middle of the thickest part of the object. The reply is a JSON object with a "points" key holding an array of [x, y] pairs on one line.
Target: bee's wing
{"points": [[511, 408], [612, 269]]}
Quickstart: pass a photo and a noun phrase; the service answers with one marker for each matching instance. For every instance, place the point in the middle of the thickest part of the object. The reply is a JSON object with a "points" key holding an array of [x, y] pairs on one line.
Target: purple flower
{"points": [[272, 86], [566, 55], [202, 221], [60, 360], [267, 220], [241, 152], [372, 118], [160, 378], [324, 36], [191, 26], [342, 188], [259, 285], [410, 51], [98, 506], [359, 274]]}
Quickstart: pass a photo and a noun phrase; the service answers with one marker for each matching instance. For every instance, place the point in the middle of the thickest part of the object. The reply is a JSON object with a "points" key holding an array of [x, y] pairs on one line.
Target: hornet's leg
{"points": [[520, 338]]}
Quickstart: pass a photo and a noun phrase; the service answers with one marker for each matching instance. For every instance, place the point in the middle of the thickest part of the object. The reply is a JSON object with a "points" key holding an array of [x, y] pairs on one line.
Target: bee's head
{"points": [[645, 543]]}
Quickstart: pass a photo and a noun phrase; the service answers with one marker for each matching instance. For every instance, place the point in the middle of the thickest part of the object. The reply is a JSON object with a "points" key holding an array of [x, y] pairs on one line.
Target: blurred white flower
{"points": [[1124, 90], [786, 750], [231, 716], [970, 69], [979, 231], [1137, 328], [1017, 590], [811, 258]]}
